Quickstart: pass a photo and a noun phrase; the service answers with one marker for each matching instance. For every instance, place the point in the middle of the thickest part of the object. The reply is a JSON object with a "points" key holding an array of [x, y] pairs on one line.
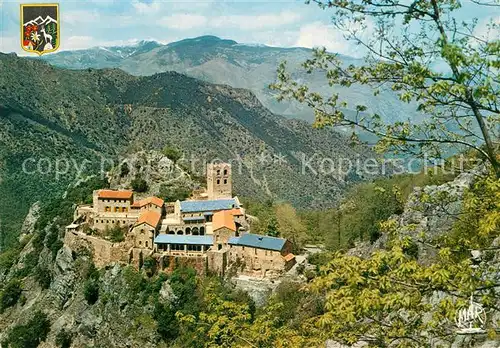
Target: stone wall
{"points": [[217, 262], [258, 262], [103, 251], [110, 220], [168, 263]]}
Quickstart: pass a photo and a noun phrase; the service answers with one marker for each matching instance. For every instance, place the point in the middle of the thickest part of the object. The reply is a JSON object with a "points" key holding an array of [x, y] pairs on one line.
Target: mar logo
{"points": [[40, 28]]}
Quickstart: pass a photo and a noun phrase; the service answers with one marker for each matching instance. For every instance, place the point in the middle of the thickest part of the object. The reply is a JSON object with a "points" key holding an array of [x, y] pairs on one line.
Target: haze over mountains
{"points": [[220, 61]]}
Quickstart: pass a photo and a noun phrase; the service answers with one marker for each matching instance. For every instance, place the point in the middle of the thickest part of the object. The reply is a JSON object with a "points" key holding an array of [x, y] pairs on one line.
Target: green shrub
{"points": [[115, 234], [30, 262], [172, 153], [172, 193], [43, 277], [411, 249], [139, 185], [30, 335], [64, 339], [168, 326], [301, 268], [91, 291], [90, 271], [149, 266], [124, 170], [10, 294], [8, 258]]}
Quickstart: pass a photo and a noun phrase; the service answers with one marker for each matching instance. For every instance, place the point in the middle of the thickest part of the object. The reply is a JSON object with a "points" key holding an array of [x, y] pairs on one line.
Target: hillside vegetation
{"points": [[88, 119]]}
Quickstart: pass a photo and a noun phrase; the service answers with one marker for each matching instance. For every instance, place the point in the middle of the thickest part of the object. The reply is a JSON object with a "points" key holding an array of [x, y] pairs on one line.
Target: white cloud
{"points": [[183, 21], [256, 21], [144, 8], [318, 34], [80, 17]]}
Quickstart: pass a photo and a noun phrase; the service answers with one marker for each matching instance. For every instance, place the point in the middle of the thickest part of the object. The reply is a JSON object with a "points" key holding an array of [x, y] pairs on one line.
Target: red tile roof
{"points": [[289, 257], [111, 194], [152, 218], [153, 200], [236, 212], [223, 218]]}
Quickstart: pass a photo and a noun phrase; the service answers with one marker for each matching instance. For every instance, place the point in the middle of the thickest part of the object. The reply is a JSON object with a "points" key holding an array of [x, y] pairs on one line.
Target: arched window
{"points": [[188, 230], [202, 231], [225, 171], [180, 232], [146, 244], [195, 231]]}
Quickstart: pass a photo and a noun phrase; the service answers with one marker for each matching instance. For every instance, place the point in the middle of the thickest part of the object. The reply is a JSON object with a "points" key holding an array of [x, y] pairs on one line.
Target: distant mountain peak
{"points": [[205, 39], [148, 42]]}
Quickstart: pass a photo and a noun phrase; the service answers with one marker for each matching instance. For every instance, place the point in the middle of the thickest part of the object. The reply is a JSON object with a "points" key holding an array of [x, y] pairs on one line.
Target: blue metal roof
{"points": [[202, 206], [233, 240], [193, 218], [178, 239], [258, 241]]}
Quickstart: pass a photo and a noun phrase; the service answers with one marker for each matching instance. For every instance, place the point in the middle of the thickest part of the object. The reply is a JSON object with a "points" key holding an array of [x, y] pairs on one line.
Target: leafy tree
{"points": [[43, 277], [10, 294], [168, 326], [172, 153], [30, 335], [272, 228], [149, 266], [291, 226], [384, 299], [174, 192], [222, 324], [422, 52], [64, 339], [53, 241], [124, 170], [139, 184], [91, 291], [116, 234]]}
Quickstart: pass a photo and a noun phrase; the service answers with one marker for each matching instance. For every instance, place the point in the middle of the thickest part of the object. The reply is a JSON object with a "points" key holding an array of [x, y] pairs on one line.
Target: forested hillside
{"points": [[86, 119]]}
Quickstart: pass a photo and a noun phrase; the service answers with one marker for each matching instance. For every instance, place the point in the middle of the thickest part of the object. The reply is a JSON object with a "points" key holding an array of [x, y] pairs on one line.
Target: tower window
{"points": [[225, 171], [218, 172], [225, 181], [218, 182]]}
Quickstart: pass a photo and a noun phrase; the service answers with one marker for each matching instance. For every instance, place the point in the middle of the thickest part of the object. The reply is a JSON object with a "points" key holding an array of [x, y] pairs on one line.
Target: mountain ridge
{"points": [[252, 67]]}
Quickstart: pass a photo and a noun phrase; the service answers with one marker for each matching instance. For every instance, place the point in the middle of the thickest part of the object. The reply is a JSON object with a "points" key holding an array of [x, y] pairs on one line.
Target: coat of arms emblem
{"points": [[40, 28]]}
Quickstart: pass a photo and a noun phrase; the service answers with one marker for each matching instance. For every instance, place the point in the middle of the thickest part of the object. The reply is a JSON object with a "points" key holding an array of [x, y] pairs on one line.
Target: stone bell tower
{"points": [[219, 181]]}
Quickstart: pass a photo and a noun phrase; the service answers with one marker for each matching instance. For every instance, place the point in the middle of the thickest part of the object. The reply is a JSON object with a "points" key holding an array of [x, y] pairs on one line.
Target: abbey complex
{"points": [[210, 231]]}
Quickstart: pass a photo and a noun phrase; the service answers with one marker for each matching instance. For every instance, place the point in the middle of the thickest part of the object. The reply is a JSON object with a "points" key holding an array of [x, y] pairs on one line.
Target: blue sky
{"points": [[283, 23]]}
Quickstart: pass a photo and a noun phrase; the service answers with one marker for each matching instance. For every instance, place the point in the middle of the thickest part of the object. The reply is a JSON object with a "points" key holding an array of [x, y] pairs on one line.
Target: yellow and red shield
{"points": [[40, 28]]}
